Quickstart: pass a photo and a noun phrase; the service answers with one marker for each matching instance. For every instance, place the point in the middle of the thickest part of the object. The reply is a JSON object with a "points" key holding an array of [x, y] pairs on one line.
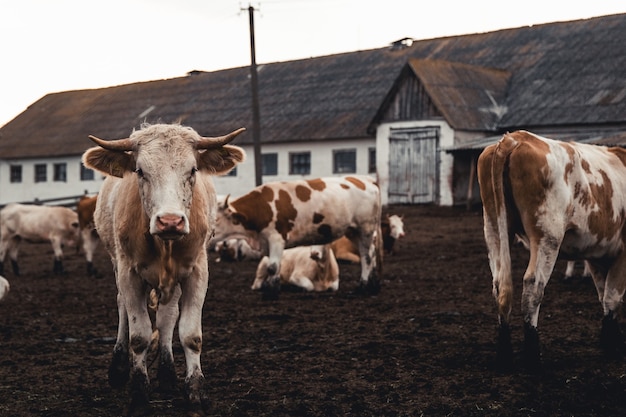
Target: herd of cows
{"points": [[158, 214]]}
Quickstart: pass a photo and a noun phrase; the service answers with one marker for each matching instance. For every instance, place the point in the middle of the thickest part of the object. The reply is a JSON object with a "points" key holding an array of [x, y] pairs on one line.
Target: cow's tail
{"points": [[497, 227], [378, 241]]}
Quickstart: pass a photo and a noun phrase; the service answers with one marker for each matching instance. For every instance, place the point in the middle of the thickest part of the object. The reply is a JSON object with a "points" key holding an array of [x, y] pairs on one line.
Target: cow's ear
{"points": [[108, 162], [221, 160]]}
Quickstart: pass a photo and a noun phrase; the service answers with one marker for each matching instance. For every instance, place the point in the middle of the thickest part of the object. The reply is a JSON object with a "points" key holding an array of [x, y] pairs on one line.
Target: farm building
{"points": [[415, 114]]}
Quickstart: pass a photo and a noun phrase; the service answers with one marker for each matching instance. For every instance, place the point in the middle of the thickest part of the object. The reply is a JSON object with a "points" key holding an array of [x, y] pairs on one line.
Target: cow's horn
{"points": [[218, 142], [113, 145]]}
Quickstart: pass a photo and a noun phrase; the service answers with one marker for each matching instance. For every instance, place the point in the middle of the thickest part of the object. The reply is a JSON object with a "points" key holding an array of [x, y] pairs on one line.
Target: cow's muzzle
{"points": [[170, 226]]}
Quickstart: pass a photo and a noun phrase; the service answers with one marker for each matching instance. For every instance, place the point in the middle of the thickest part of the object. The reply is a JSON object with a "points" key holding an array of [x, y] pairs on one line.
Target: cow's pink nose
{"points": [[170, 223]]}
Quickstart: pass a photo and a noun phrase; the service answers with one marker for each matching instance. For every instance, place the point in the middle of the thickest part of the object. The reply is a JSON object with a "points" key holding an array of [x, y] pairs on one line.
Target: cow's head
{"points": [[165, 160], [396, 226]]}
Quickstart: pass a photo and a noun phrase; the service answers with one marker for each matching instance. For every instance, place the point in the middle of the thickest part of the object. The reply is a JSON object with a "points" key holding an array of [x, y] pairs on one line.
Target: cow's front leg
{"points": [[139, 331], [166, 317], [194, 290], [58, 256], [271, 287], [120, 366]]}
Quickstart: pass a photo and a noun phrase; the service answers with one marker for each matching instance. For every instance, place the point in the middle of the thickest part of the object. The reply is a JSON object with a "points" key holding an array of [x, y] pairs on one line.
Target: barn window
{"points": [[344, 161], [60, 172], [16, 173], [86, 174], [41, 173], [300, 163], [371, 160], [269, 164]]}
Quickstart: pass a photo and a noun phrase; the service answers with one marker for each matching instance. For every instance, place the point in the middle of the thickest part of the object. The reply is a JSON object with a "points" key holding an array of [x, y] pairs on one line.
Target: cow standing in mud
{"points": [[32, 223], [155, 214], [308, 212], [563, 200]]}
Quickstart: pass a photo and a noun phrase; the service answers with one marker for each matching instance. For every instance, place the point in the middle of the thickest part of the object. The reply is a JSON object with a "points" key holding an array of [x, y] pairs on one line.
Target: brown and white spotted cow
{"points": [[562, 199], [155, 213], [88, 234], [308, 212], [312, 268]]}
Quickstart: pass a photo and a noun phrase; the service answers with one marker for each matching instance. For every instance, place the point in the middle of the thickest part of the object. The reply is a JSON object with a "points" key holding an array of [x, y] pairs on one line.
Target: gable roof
{"points": [[568, 73]]}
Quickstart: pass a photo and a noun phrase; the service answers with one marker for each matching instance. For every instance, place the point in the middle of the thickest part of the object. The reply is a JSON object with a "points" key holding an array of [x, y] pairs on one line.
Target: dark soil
{"points": [[424, 346]]}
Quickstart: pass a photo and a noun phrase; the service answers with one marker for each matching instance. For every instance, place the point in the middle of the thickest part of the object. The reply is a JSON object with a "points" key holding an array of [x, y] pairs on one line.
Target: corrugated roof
{"points": [[569, 73]]}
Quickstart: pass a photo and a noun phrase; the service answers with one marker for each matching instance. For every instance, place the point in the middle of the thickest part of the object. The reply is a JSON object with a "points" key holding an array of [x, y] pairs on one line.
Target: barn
{"points": [[416, 113]]}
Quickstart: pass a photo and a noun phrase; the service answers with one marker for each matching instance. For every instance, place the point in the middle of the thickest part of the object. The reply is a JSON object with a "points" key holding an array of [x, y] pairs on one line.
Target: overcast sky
{"points": [[49, 46]]}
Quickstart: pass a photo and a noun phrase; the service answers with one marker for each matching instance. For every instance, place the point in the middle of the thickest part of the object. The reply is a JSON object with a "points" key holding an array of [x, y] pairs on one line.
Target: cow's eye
{"points": [[139, 172], [193, 171]]}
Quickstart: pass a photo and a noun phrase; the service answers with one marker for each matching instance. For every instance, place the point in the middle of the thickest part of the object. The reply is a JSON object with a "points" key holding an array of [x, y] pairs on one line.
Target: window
{"points": [[16, 173], [344, 161], [41, 173], [60, 172], [86, 174], [269, 164], [300, 163], [371, 160]]}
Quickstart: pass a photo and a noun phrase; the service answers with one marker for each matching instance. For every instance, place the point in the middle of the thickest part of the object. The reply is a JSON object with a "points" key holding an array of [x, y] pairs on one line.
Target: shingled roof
{"points": [[559, 74]]}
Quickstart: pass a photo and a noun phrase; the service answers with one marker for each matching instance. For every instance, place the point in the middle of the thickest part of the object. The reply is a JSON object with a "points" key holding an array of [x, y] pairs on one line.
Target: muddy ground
{"points": [[424, 346]]}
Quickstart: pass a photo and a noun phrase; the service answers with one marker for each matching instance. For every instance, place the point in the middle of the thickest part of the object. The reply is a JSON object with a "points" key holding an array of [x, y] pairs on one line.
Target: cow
{"points": [[88, 234], [392, 229], [236, 249], [570, 270], [312, 268], [4, 287], [155, 214], [34, 223], [564, 200], [286, 214]]}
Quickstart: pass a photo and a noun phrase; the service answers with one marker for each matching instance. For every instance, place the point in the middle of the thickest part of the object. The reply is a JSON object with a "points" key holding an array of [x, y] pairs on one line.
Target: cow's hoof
{"points": [[119, 369], [197, 398], [504, 350], [166, 374], [611, 339], [15, 267], [138, 392], [532, 354], [270, 291]]}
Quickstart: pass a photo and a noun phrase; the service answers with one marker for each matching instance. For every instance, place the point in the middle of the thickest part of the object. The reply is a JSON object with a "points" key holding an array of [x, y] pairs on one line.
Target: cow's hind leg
{"points": [[611, 339], [542, 260], [58, 256], [369, 250], [14, 247]]}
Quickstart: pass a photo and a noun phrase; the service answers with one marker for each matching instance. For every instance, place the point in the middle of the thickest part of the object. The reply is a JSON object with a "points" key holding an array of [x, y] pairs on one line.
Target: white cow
{"points": [[4, 287], [32, 223], [155, 213], [236, 249], [313, 268]]}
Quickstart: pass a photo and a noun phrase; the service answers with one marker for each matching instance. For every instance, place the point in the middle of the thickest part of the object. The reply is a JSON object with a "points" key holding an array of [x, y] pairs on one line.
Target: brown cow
{"points": [[392, 229], [155, 214], [88, 234]]}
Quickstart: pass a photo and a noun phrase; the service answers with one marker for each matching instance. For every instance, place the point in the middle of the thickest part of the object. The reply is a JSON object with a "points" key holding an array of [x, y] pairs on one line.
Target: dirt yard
{"points": [[425, 346]]}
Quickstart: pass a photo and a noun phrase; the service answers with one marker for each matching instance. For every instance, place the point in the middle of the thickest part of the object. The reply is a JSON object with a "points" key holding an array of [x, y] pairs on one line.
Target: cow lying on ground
{"points": [[392, 230], [312, 268], [32, 223], [88, 234], [236, 249], [155, 214], [4, 287], [307, 212], [562, 199]]}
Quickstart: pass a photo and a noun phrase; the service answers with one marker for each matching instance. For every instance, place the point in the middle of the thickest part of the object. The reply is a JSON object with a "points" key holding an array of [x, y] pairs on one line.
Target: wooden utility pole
{"points": [[256, 118]]}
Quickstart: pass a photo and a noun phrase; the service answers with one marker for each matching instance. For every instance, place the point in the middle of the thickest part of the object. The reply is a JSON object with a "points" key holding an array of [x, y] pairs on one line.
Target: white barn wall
{"points": [[29, 190], [321, 163], [446, 160]]}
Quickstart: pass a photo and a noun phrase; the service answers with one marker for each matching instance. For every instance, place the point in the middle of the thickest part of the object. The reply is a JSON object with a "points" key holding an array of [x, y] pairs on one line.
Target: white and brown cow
{"points": [[308, 212], [312, 268], [236, 249], [37, 224], [155, 213], [392, 229], [562, 199], [88, 235]]}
